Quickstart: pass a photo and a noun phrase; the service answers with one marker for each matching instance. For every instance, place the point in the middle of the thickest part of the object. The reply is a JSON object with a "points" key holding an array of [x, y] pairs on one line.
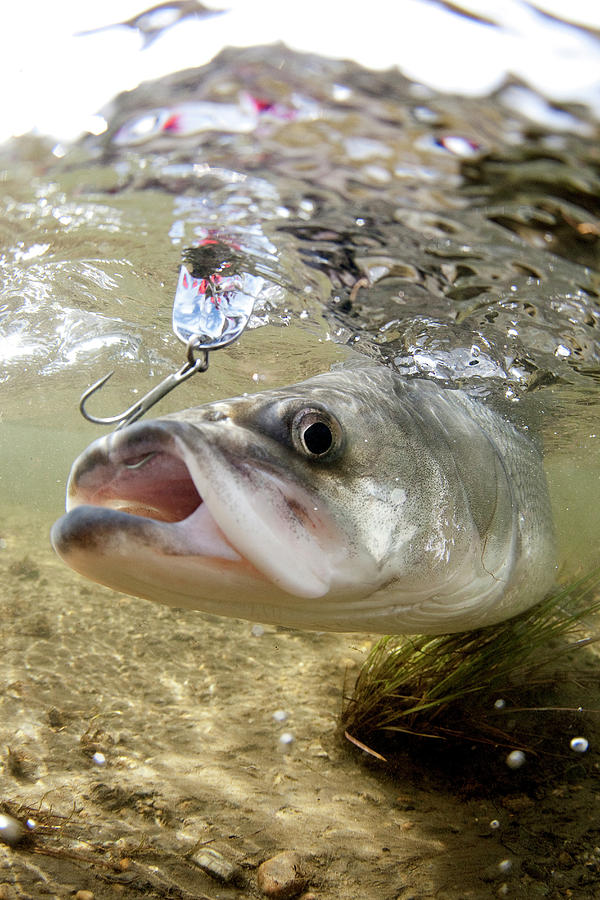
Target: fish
{"points": [[186, 119], [192, 118], [359, 500]]}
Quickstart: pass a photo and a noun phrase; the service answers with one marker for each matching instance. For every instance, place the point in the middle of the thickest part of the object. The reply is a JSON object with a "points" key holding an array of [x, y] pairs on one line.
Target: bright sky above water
{"points": [[54, 81]]}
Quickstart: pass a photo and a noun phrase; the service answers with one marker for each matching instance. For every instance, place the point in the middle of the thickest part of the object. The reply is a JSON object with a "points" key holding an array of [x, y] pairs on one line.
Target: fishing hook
{"points": [[140, 407]]}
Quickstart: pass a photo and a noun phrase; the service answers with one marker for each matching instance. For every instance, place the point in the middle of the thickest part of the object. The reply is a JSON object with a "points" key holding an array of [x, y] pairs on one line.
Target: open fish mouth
{"points": [[151, 483], [141, 476], [178, 512]]}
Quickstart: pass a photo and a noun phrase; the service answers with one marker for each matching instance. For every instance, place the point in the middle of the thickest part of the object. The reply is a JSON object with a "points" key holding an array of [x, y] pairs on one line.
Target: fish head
{"points": [[236, 506]]}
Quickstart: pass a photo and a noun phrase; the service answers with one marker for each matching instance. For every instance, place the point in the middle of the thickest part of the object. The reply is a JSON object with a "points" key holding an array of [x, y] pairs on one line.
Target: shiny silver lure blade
{"points": [[214, 311]]}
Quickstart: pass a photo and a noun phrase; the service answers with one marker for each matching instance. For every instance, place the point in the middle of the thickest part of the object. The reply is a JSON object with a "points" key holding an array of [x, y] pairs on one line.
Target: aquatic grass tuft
{"points": [[444, 687]]}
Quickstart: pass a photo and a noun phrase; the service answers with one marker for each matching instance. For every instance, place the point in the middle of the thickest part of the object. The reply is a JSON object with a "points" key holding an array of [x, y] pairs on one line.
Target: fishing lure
{"points": [[209, 313]]}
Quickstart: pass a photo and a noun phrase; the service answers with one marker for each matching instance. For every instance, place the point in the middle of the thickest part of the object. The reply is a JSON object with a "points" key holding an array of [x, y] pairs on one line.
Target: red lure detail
{"points": [[172, 123]]}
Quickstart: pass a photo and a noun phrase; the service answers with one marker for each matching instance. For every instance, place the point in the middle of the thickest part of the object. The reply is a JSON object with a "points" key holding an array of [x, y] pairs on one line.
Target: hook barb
{"points": [[140, 407]]}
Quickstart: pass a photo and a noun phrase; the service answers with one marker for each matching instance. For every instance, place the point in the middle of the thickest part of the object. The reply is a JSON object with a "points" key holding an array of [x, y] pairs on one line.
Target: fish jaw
{"points": [[175, 512]]}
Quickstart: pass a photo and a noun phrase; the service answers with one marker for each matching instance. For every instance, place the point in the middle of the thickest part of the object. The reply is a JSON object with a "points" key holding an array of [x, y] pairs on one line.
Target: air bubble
{"points": [[494, 824], [99, 758], [515, 759], [505, 865], [11, 830], [500, 704], [579, 744], [280, 715], [257, 631]]}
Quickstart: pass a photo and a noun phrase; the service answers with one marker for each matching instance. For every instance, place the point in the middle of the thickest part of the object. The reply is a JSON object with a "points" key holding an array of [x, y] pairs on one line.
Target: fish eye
{"points": [[315, 433]]}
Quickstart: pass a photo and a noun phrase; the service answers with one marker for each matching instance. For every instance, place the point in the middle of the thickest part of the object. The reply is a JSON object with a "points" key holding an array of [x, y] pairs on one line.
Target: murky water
{"points": [[450, 238]]}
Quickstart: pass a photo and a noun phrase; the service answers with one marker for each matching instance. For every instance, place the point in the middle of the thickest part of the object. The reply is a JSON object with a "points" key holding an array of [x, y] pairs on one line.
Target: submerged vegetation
{"points": [[468, 686]]}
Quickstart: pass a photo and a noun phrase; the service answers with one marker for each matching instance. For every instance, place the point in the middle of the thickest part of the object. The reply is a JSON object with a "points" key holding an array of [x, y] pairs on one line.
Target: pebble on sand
{"points": [[282, 876], [215, 864]]}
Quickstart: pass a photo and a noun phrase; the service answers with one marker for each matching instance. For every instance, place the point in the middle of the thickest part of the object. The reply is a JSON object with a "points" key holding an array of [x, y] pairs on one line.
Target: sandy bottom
{"points": [[180, 706]]}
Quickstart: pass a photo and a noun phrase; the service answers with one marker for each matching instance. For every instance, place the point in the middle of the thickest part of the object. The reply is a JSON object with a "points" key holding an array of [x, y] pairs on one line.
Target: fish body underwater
{"points": [[358, 500], [438, 237]]}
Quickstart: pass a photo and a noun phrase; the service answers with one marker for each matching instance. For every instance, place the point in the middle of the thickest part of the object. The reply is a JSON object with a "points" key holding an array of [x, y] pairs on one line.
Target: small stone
{"points": [[84, 895], [215, 864], [282, 876], [11, 830]]}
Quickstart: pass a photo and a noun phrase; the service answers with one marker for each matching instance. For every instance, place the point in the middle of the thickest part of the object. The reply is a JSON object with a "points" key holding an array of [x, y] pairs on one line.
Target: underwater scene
{"points": [[371, 669]]}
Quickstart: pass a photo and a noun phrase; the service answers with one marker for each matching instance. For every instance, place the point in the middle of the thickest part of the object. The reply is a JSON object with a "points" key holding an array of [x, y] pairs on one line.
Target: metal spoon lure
{"points": [[208, 314]]}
